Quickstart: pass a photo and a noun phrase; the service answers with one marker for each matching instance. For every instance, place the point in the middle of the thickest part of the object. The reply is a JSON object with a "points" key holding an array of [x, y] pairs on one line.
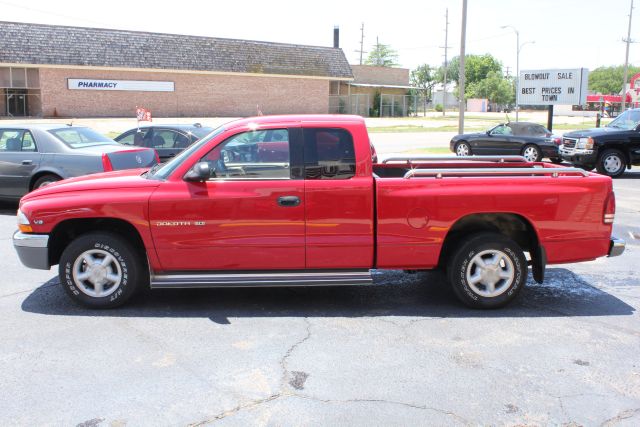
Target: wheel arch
{"points": [[39, 174], [66, 231], [511, 225]]}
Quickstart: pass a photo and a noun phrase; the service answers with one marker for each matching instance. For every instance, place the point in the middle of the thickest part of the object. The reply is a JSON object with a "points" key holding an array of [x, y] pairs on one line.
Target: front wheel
{"points": [[101, 270], [532, 153], [611, 163], [463, 149], [487, 271]]}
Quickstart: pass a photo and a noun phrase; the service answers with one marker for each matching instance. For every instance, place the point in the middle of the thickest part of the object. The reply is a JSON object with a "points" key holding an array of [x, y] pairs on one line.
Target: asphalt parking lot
{"points": [[404, 352]]}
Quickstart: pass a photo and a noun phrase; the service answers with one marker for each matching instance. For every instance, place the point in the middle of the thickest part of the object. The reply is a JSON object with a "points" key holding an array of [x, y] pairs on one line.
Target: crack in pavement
{"points": [[283, 389], [629, 413]]}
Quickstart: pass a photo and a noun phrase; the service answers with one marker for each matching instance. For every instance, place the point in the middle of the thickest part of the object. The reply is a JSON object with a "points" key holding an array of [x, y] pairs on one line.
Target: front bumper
{"points": [[578, 156], [32, 249], [616, 247]]}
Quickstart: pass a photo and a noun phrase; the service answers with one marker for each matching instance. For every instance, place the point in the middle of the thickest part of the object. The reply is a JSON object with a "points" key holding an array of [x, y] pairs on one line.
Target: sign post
{"points": [[553, 87]]}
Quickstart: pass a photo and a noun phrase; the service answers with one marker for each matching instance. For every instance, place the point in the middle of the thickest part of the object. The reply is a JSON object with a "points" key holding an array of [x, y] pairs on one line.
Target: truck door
{"points": [[248, 216], [338, 200]]}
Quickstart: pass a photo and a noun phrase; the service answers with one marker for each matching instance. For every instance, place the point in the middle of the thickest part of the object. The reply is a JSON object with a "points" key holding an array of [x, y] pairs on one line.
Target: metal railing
{"points": [[497, 159], [491, 172]]}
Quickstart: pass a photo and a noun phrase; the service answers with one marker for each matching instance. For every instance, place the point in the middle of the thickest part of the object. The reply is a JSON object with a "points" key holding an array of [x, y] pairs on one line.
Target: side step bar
{"points": [[257, 279]]}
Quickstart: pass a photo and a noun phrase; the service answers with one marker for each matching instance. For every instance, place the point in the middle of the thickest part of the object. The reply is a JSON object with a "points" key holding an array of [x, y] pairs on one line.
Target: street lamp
{"points": [[518, 48]]}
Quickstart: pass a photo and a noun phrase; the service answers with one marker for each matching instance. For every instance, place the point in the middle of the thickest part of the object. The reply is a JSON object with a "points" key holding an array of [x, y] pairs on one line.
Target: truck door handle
{"points": [[27, 162], [289, 201]]}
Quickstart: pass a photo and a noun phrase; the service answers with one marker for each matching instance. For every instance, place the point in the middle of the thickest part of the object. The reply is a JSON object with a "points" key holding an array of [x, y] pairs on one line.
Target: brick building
{"points": [[50, 71]]}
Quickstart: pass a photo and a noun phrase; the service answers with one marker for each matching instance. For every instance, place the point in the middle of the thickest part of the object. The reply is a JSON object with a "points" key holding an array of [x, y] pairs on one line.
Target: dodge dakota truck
{"points": [[300, 201]]}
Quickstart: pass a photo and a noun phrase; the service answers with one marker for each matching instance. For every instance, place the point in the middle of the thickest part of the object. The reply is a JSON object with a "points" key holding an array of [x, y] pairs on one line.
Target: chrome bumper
{"points": [[573, 151], [616, 247], [32, 249]]}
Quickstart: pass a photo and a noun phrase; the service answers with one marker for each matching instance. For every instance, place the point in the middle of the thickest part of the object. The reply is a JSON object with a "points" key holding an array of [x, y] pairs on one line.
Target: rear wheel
{"points": [[487, 271], [463, 149], [101, 270], [611, 163], [45, 180], [532, 153]]}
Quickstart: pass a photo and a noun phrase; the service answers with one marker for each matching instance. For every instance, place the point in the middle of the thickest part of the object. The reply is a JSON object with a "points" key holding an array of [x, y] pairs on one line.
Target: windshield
{"points": [[166, 169], [627, 120], [76, 137]]}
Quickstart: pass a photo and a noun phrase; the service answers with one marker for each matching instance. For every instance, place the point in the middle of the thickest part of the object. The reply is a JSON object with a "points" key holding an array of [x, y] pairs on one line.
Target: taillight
{"points": [[106, 163], [610, 209], [157, 156], [557, 141]]}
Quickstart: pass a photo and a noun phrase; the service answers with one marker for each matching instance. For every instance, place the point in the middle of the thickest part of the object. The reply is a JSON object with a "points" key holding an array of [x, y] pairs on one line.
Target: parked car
{"points": [[297, 201], [167, 140], [32, 156], [531, 140], [610, 149]]}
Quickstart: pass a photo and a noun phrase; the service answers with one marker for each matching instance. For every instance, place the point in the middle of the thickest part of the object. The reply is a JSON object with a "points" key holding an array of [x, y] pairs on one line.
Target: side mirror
{"points": [[201, 171], [488, 133]]}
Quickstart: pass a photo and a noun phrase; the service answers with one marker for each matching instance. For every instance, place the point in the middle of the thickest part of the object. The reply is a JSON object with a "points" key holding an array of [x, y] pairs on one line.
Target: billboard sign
{"points": [[128, 85], [553, 87]]}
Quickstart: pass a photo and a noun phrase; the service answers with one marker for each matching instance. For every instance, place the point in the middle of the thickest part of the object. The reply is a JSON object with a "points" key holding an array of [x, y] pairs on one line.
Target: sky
{"points": [[553, 33]]}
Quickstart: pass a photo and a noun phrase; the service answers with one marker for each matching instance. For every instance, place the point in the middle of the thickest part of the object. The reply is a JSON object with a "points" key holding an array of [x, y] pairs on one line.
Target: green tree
{"points": [[476, 68], [496, 88], [608, 80], [424, 77], [382, 55]]}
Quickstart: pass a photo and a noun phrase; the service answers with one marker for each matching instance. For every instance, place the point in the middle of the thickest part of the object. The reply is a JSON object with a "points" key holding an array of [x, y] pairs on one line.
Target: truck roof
{"points": [[295, 118]]}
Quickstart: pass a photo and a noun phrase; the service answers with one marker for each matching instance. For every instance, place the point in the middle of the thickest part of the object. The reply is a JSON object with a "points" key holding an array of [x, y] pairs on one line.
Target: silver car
{"points": [[32, 156]]}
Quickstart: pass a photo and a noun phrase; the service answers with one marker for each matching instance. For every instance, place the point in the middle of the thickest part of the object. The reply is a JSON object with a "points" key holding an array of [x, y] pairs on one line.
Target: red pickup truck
{"points": [[302, 201]]}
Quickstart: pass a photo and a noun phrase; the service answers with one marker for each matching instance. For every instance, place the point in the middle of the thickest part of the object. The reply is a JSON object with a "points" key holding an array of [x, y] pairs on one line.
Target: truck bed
{"points": [[420, 200]]}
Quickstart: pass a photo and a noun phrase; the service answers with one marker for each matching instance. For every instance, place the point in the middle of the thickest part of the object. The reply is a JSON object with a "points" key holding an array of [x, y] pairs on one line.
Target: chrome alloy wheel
{"points": [[462, 149], [490, 273], [97, 273], [530, 153], [612, 163]]}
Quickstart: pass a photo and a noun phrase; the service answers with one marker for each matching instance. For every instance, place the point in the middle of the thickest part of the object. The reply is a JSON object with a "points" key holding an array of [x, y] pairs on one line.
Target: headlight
{"points": [[23, 222], [585, 143]]}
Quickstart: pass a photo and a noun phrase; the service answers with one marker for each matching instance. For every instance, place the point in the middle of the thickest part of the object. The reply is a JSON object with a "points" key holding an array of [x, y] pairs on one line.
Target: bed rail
{"points": [[497, 159], [492, 172]]}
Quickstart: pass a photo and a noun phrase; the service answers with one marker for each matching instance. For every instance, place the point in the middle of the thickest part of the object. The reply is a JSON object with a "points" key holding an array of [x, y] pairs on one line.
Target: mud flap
{"points": [[538, 263]]}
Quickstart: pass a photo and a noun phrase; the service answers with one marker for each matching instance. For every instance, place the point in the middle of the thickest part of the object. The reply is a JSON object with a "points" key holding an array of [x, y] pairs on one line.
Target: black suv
{"points": [[610, 149], [167, 140]]}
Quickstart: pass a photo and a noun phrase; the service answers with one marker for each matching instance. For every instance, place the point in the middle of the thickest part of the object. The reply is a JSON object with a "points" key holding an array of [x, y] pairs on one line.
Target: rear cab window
{"points": [[328, 154]]}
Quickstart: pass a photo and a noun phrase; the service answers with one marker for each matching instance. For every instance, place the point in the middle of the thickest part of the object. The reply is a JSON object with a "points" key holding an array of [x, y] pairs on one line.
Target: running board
{"points": [[268, 279]]}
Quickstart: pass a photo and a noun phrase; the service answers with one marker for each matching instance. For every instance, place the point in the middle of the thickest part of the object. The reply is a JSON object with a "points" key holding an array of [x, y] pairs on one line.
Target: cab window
{"points": [[260, 154], [328, 154]]}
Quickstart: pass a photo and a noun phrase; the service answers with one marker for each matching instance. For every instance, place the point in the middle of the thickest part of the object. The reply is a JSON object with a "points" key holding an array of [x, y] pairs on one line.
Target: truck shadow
{"points": [[8, 208], [395, 294]]}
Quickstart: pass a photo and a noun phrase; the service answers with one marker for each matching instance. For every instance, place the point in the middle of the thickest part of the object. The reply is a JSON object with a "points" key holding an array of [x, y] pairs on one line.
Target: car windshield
{"points": [[627, 120], [164, 170], [77, 137]]}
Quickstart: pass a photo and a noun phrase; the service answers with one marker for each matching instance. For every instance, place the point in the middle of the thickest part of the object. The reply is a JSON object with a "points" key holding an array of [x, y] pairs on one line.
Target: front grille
{"points": [[569, 143]]}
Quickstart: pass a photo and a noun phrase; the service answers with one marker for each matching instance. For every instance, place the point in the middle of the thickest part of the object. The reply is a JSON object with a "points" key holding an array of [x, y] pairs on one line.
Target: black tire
{"points": [[463, 147], [611, 163], [465, 264], [532, 153], [125, 263], [45, 180], [556, 160]]}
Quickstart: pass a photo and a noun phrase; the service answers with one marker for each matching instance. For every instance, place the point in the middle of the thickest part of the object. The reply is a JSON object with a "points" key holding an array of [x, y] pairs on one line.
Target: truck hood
{"points": [[129, 178], [593, 132]]}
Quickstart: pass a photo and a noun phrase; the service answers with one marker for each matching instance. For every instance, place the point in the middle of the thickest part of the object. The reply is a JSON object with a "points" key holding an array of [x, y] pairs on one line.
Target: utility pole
{"points": [[463, 37], [361, 42], [446, 48], [506, 72], [626, 62]]}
